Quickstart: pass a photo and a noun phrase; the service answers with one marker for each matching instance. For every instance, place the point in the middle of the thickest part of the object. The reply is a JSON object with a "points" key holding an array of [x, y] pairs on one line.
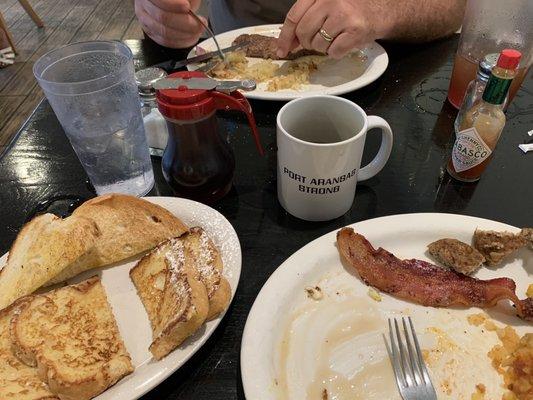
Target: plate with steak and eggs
{"points": [[302, 73], [316, 329]]}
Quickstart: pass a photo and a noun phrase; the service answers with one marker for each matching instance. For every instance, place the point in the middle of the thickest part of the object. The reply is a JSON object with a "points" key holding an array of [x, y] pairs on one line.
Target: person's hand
{"points": [[349, 24], [168, 22]]}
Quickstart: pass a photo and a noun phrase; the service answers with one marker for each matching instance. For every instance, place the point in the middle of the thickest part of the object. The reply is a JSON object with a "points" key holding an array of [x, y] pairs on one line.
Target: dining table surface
{"points": [[39, 172]]}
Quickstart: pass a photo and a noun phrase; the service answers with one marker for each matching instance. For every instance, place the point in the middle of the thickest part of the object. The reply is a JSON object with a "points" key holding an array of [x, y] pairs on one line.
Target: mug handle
{"points": [[381, 158]]}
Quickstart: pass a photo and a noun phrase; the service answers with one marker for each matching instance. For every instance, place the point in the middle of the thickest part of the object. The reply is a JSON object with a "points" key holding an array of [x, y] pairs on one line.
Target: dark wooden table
{"points": [[40, 171]]}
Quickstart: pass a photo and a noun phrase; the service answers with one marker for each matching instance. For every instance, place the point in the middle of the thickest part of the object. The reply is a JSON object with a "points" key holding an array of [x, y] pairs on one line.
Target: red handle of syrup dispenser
{"points": [[236, 101]]}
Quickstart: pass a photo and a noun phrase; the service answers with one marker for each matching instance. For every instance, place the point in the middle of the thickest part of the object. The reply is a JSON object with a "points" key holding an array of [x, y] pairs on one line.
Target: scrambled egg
{"points": [[295, 73], [236, 66], [314, 293], [290, 75], [479, 394], [477, 319], [374, 294], [513, 358]]}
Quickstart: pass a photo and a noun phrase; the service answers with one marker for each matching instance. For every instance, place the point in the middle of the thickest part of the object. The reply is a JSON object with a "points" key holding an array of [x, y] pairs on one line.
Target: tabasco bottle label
{"points": [[469, 150]]}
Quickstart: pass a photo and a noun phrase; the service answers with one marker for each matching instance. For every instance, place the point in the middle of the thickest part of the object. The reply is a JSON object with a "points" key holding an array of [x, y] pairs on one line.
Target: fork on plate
{"points": [[409, 367], [213, 63]]}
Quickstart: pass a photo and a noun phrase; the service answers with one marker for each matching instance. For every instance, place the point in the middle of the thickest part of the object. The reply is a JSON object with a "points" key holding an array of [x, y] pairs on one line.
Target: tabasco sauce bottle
{"points": [[480, 127]]}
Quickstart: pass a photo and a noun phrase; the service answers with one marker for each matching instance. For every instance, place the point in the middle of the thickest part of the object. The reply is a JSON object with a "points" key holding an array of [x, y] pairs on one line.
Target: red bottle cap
{"points": [[183, 103], [509, 59]]}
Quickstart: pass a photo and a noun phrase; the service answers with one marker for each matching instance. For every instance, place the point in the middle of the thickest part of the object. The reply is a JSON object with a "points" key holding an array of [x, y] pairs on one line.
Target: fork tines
{"points": [[409, 367]]}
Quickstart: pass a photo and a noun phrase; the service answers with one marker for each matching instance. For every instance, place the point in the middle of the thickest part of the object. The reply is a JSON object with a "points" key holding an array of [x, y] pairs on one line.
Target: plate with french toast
{"points": [[108, 302], [316, 329]]}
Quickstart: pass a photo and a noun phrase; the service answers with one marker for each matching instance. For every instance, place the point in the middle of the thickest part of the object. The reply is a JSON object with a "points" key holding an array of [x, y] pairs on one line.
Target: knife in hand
{"points": [[171, 65]]}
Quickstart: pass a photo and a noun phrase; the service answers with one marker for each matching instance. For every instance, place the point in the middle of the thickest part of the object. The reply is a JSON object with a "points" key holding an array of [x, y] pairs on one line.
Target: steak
{"points": [[261, 46]]}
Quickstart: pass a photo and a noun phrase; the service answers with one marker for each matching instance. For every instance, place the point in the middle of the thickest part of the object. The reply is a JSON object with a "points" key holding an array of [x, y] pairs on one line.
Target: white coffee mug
{"points": [[320, 145]]}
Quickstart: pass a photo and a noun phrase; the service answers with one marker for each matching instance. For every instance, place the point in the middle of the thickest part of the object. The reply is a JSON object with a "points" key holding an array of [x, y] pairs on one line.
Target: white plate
{"points": [[291, 340], [131, 316], [335, 81]]}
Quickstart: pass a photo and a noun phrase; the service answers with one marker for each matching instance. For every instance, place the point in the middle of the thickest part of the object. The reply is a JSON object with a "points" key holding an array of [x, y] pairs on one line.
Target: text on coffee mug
{"points": [[320, 185]]}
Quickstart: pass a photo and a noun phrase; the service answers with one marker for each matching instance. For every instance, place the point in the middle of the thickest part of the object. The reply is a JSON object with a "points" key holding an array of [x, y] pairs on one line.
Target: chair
{"points": [[33, 15]]}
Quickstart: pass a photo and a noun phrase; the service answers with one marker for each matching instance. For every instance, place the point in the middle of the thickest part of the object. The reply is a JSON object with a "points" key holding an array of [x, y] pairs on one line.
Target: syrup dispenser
{"points": [[198, 163]]}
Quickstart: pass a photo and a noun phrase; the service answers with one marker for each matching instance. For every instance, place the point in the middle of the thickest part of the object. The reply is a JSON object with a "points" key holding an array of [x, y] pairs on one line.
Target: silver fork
{"points": [[409, 367], [213, 63], [208, 29]]}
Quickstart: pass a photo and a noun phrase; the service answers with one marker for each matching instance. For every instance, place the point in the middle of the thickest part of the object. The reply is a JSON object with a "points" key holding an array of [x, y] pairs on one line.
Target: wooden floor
{"points": [[65, 21]]}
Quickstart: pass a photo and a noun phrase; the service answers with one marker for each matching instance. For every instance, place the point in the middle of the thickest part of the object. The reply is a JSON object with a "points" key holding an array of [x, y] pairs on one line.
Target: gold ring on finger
{"points": [[326, 36]]}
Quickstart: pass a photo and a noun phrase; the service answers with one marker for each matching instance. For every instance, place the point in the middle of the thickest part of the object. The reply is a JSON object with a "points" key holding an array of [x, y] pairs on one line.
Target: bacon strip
{"points": [[423, 282]]}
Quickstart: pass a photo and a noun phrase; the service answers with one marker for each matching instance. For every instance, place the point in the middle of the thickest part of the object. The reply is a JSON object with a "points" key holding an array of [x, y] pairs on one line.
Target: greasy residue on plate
{"points": [[337, 348], [333, 348]]}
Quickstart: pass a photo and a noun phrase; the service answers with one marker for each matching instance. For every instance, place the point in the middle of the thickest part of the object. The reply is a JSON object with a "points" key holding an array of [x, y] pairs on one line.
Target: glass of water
{"points": [[91, 87]]}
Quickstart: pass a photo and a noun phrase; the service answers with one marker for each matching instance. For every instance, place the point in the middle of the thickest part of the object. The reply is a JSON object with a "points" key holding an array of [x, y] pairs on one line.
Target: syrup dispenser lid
{"points": [[176, 101], [183, 103]]}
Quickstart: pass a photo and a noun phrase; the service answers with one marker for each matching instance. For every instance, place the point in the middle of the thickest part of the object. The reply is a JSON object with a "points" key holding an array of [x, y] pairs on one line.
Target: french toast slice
{"points": [[43, 248], [129, 226], [70, 335], [17, 380], [175, 300], [208, 266]]}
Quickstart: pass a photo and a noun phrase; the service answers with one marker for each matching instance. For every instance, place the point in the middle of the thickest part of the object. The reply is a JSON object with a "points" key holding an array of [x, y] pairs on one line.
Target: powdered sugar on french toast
{"points": [[205, 259], [176, 260], [216, 227]]}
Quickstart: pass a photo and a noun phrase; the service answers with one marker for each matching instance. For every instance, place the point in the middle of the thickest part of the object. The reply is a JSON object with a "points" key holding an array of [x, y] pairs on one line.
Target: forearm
{"points": [[353, 23], [418, 20]]}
